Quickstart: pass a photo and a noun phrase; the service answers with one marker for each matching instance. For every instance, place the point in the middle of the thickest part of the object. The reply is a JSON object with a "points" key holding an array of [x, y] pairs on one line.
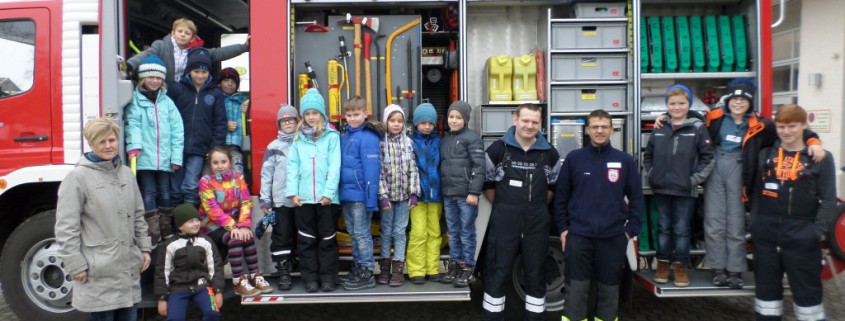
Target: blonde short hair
{"points": [[97, 130], [187, 23]]}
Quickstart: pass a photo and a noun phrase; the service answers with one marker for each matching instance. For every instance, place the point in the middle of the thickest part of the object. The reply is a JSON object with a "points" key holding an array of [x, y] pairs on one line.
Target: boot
{"points": [[720, 277], [662, 274], [362, 278], [151, 217], [681, 277], [165, 221], [283, 267], [343, 278], [396, 277], [464, 277], [451, 273], [384, 273], [735, 280]]}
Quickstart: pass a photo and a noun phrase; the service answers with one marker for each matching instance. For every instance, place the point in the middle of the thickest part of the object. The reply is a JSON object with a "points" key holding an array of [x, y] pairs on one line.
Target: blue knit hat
{"points": [[425, 112], [682, 87], [152, 66], [198, 58], [312, 100]]}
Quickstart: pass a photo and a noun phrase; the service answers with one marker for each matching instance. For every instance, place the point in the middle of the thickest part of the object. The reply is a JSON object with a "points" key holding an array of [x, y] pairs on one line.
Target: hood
{"points": [[105, 166], [540, 144], [139, 95]]}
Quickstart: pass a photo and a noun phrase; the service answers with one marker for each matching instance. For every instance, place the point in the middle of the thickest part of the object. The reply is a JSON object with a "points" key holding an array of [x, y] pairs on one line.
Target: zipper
{"points": [[193, 116], [789, 206], [158, 137], [314, 177], [530, 186]]}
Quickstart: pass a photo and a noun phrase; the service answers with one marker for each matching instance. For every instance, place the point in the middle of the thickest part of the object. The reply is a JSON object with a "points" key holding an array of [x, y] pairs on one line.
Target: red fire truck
{"points": [[61, 68]]}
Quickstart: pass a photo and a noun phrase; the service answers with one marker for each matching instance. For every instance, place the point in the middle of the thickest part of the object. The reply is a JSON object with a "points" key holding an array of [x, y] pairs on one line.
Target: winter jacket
{"points": [[789, 201], [360, 166], [314, 167], [185, 260], [156, 129], [274, 175], [224, 202], [678, 160], [100, 228], [507, 152], [203, 115], [233, 113], [462, 163], [399, 177], [591, 191], [164, 49], [427, 152], [761, 133]]}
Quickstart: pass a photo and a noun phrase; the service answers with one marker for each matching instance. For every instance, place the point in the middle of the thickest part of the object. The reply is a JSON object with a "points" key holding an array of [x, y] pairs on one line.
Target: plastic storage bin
{"points": [[589, 67], [524, 78], [588, 98], [617, 138], [589, 36], [567, 135], [496, 120], [600, 10], [500, 73]]}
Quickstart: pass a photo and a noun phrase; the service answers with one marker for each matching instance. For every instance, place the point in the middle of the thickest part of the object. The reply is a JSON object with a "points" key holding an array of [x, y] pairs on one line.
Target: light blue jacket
{"points": [[314, 167], [233, 113], [156, 129]]}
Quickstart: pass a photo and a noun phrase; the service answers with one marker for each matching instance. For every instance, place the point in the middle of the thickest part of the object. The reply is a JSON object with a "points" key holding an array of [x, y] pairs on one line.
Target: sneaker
{"points": [[720, 278], [464, 277], [361, 279], [435, 277], [396, 277], [735, 280], [285, 282], [452, 273], [243, 287], [681, 277], [342, 278], [384, 271], [662, 274], [312, 287], [418, 280], [328, 287], [260, 283]]}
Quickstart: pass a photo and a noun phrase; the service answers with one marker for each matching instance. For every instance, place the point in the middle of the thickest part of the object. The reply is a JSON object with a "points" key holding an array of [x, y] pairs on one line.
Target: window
{"points": [[785, 67], [17, 52]]}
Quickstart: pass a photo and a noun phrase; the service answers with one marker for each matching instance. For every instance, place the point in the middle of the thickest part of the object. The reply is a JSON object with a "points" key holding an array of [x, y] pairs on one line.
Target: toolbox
{"points": [[567, 135]]}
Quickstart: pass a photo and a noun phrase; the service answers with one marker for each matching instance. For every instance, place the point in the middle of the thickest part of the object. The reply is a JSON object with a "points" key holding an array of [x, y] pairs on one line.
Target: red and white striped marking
{"points": [[262, 299]]}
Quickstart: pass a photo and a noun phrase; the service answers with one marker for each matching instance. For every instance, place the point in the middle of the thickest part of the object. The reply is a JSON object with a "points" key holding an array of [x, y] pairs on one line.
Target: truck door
{"points": [[25, 88]]}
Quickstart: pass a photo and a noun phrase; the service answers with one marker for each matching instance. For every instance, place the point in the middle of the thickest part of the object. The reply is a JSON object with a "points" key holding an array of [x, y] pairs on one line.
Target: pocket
{"points": [[103, 257]]}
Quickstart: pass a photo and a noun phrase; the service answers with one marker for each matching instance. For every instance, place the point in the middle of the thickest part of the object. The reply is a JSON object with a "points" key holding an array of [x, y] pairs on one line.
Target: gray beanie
{"points": [[286, 111], [463, 108]]}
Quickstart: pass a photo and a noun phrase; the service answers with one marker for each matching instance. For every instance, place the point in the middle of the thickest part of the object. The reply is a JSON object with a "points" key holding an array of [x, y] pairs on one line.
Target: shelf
{"points": [[590, 82], [699, 75], [588, 51], [585, 113], [588, 20], [511, 103]]}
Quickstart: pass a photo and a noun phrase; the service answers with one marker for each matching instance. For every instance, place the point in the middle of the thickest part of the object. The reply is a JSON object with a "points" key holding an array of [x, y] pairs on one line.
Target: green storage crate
{"points": [[699, 60], [711, 32], [684, 45], [644, 55], [656, 44], [649, 232], [670, 45], [726, 37], [740, 43]]}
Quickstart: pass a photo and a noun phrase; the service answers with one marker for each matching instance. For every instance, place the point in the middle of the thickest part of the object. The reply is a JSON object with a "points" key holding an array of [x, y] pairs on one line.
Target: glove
{"points": [[175, 167], [264, 223], [383, 203], [412, 201], [134, 153]]}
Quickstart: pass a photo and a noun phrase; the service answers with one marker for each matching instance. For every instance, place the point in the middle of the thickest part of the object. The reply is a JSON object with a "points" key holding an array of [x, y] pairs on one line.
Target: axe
{"points": [[368, 25]]}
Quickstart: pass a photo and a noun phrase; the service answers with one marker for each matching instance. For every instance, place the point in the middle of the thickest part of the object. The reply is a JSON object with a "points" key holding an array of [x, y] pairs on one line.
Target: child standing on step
{"points": [[229, 81]]}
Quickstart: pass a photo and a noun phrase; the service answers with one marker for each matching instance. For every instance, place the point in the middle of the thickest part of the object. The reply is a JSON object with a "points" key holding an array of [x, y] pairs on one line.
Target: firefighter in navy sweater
{"points": [[794, 202], [594, 221], [521, 171]]}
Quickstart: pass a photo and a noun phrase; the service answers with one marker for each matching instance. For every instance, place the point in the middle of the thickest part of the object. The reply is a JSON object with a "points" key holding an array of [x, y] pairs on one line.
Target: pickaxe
{"points": [[369, 24]]}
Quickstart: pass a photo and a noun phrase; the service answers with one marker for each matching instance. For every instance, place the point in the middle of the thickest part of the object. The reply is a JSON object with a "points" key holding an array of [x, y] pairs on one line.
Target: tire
{"points": [[33, 282], [836, 234], [555, 287]]}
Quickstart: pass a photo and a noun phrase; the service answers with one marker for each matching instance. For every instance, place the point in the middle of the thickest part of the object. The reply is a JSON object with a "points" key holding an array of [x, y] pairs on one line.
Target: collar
{"points": [[539, 144]]}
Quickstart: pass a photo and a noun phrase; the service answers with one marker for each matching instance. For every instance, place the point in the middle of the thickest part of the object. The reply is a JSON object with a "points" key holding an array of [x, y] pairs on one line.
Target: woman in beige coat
{"points": [[100, 228]]}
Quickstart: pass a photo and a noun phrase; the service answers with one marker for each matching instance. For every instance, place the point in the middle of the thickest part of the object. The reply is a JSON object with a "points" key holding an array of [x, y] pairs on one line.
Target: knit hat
{"points": [[682, 87], [184, 213], [152, 66], [312, 100], [198, 58], [286, 111], [741, 90], [229, 73], [463, 108], [389, 110], [425, 112]]}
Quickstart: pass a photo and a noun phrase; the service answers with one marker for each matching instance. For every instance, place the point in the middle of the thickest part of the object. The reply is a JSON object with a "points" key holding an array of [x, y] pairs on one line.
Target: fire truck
{"points": [[62, 67]]}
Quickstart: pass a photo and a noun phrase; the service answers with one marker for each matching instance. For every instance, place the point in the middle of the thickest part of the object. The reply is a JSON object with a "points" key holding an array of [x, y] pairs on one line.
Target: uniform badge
{"points": [[613, 175]]}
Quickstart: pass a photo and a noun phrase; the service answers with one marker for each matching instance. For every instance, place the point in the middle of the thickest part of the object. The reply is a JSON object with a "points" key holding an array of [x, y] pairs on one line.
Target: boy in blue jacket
{"points": [[360, 166], [229, 81], [423, 256], [201, 105]]}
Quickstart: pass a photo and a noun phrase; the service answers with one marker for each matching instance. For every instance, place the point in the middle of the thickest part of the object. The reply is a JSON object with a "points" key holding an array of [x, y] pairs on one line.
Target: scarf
{"points": [[286, 137], [308, 131]]}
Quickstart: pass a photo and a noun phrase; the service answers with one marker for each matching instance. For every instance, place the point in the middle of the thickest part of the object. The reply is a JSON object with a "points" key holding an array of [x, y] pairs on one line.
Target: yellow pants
{"points": [[423, 257]]}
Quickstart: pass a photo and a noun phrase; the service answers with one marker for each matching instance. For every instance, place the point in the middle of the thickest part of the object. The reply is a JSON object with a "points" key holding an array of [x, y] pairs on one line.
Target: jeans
{"points": [[394, 221], [460, 221], [177, 305], [674, 225], [152, 183], [358, 225], [184, 182], [124, 314]]}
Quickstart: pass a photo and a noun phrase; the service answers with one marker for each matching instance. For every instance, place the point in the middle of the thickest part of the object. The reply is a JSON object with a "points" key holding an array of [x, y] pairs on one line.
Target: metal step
{"points": [[700, 285]]}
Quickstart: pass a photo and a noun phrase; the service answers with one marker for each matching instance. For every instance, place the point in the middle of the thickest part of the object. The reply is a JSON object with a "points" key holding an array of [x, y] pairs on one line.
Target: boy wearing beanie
{"points": [[359, 193], [229, 81], [424, 240], [462, 165], [273, 198], [202, 106], [188, 269]]}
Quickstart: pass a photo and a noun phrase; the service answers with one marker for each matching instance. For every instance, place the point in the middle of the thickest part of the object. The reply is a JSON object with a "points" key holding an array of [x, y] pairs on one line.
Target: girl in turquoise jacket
{"points": [[313, 174]]}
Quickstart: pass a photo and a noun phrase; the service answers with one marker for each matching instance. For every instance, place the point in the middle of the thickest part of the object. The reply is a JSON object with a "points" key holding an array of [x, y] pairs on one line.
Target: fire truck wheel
{"points": [[836, 234], [555, 291], [34, 284]]}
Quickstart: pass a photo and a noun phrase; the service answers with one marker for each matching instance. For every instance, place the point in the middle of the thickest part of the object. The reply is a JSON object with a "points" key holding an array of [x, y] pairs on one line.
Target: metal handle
{"points": [[30, 139], [782, 17]]}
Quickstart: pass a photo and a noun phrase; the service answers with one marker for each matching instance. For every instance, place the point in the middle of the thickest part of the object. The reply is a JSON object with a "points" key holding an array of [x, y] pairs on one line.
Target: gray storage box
{"points": [[589, 36], [600, 10], [617, 139], [588, 98], [589, 67], [567, 135], [489, 140], [496, 120]]}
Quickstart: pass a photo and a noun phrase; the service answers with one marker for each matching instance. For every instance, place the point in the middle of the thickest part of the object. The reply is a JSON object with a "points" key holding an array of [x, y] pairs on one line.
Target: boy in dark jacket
{"points": [[188, 269], [202, 106], [678, 157], [462, 171]]}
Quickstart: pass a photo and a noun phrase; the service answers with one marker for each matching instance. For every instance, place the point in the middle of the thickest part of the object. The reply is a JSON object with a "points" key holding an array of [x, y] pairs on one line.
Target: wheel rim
{"points": [[44, 281], [555, 286]]}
